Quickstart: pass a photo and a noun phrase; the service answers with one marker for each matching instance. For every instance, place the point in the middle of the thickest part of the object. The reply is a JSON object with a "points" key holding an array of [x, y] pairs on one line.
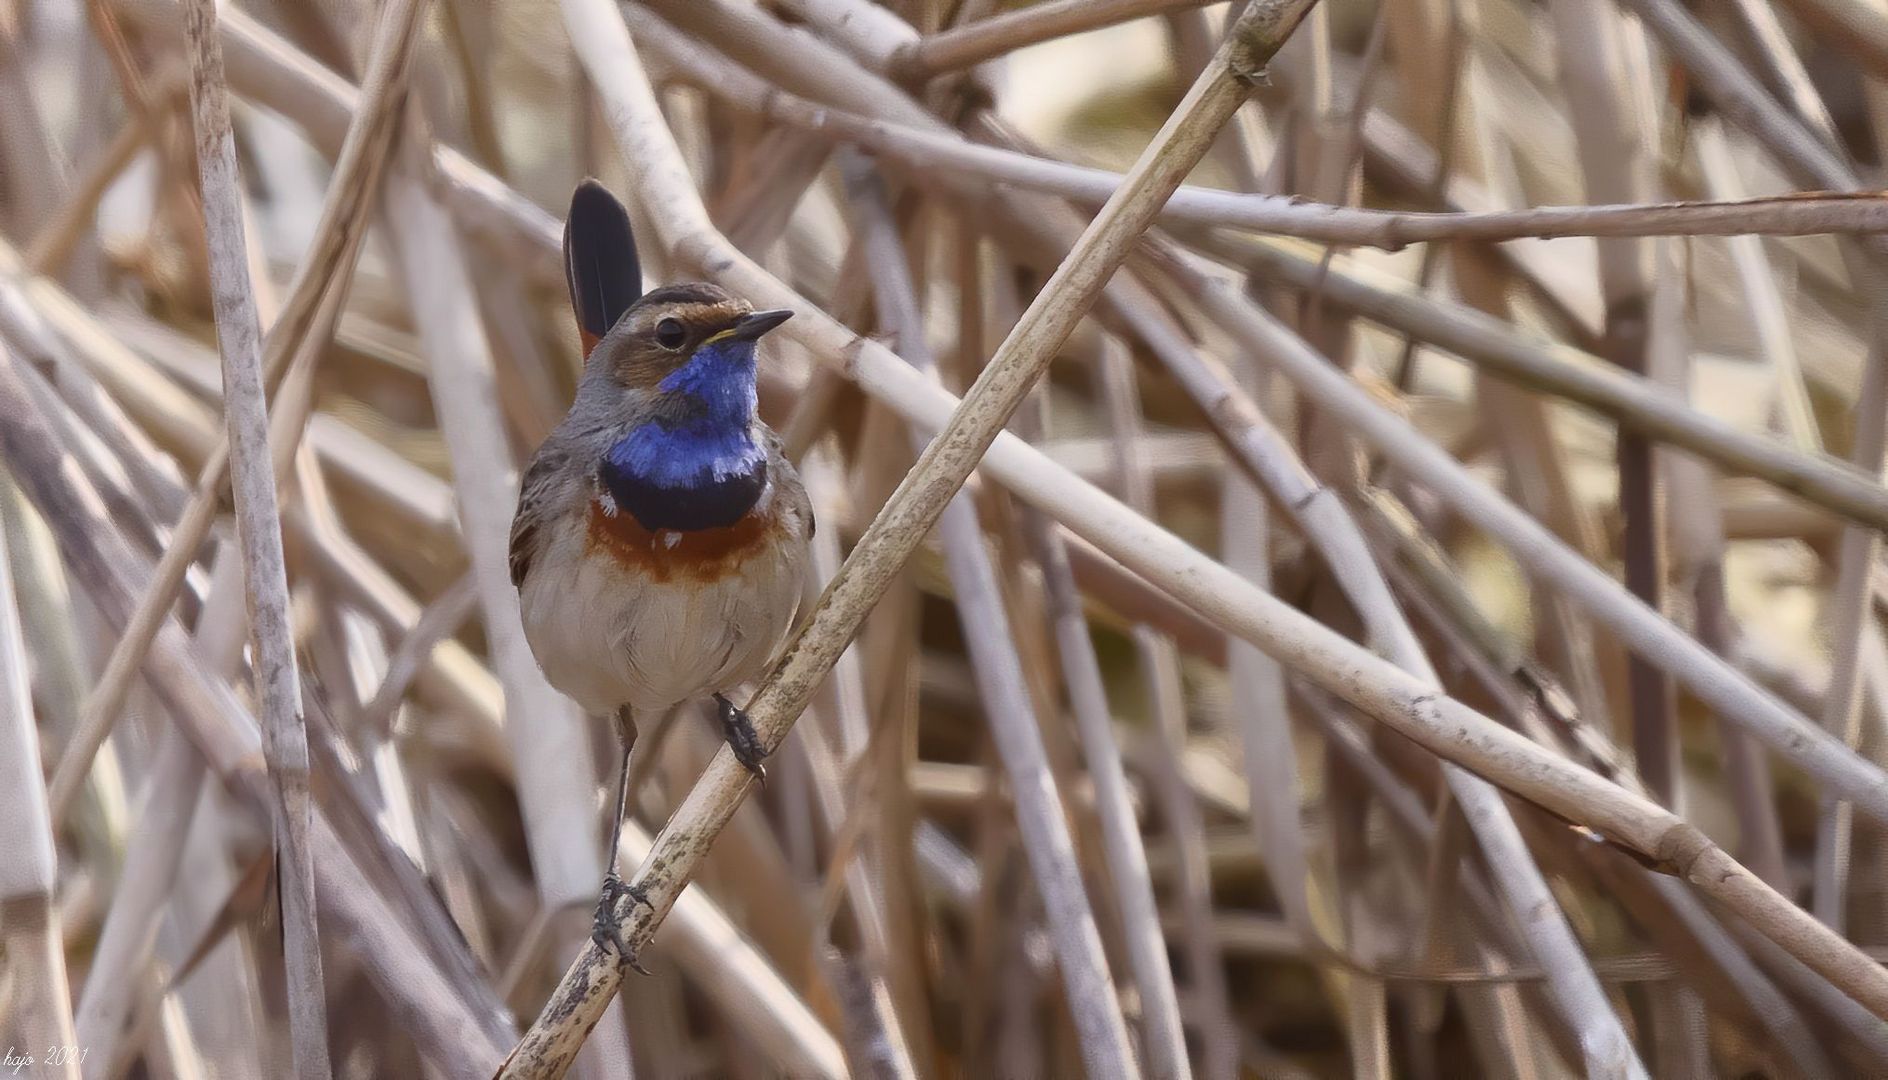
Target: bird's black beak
{"points": [[753, 326]]}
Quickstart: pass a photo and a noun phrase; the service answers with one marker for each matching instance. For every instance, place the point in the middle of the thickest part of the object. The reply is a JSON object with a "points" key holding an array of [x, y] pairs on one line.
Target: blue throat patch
{"points": [[698, 467]]}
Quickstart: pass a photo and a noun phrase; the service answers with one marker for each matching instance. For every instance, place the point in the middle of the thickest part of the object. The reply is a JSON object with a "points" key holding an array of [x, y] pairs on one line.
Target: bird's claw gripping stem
{"points": [[742, 739], [606, 929]]}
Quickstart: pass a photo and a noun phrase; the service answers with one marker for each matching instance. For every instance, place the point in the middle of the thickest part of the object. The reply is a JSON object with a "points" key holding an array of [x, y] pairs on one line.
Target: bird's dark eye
{"points": [[670, 334]]}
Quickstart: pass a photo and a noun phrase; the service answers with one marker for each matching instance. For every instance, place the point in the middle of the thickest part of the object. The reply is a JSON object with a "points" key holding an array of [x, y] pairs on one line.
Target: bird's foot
{"points": [[606, 929], [739, 732]]}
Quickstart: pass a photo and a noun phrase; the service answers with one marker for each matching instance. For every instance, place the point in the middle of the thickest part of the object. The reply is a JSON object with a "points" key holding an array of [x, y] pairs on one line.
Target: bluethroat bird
{"points": [[660, 544]]}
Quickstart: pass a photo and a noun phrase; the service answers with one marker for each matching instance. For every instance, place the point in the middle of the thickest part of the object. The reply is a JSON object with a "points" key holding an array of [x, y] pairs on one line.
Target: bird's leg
{"points": [[739, 731], [605, 928]]}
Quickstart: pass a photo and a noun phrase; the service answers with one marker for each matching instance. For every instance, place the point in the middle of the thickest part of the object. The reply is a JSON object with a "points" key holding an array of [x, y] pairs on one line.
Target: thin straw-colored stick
{"points": [[259, 535], [439, 620], [1014, 727], [1782, 67], [1851, 620], [1763, 300], [989, 38], [603, 43]]}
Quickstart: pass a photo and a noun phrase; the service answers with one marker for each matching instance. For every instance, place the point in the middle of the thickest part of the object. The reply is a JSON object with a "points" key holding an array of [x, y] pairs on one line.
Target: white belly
{"points": [[608, 638]]}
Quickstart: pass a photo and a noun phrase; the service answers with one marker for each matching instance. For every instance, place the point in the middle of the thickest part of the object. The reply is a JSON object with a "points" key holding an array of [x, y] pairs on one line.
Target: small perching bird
{"points": [[660, 544]]}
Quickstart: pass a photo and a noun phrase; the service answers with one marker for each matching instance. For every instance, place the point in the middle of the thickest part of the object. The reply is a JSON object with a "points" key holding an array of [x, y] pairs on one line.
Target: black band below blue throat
{"points": [[709, 504]]}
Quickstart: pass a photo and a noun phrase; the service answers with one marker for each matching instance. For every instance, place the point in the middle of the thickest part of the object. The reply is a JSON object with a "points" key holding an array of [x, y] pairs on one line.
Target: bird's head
{"points": [[694, 339], [688, 346]]}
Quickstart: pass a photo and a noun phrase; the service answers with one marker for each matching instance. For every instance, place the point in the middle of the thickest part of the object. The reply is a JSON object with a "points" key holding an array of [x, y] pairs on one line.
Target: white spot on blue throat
{"points": [[716, 441]]}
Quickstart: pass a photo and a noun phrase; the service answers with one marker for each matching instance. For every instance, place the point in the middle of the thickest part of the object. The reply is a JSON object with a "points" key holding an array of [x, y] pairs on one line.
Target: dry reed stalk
{"points": [[549, 740], [258, 532], [1800, 150], [163, 815], [1229, 600], [41, 1014], [1735, 696], [757, 166], [994, 35], [55, 239], [1014, 727], [300, 328], [1160, 673], [1293, 216], [1782, 67], [1606, 96], [885, 933], [1164, 1041], [1491, 343], [602, 41], [227, 737]]}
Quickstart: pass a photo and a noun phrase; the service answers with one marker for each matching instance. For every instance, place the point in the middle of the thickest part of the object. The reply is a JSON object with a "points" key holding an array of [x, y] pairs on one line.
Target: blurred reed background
{"points": [[1055, 812]]}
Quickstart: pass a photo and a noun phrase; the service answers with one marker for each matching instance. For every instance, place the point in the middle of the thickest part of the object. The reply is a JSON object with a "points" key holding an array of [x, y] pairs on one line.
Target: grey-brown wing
{"points": [[786, 481], [535, 504]]}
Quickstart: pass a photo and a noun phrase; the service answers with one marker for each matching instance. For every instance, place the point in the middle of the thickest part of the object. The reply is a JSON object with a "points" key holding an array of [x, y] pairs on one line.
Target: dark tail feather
{"points": [[600, 262]]}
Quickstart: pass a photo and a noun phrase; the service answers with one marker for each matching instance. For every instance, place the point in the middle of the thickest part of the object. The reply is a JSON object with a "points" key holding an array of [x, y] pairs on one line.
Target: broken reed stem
{"points": [[308, 313], [603, 44], [259, 536]]}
